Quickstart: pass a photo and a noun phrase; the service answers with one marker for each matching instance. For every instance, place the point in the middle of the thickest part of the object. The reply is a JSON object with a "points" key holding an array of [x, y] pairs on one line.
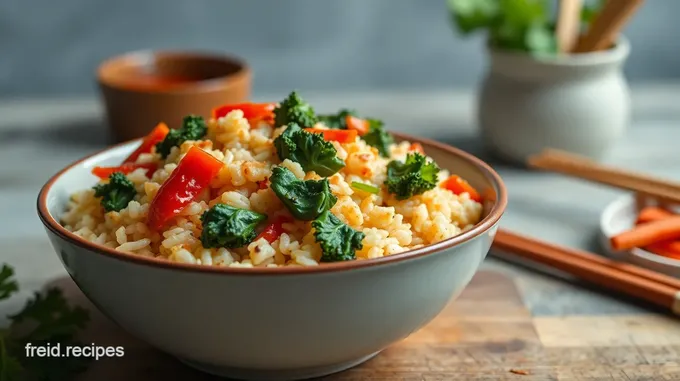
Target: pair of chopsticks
{"points": [[632, 280], [603, 31]]}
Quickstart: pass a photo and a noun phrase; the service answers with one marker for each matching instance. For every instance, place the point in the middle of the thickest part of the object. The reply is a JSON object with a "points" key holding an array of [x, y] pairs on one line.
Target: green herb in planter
{"points": [[520, 25]]}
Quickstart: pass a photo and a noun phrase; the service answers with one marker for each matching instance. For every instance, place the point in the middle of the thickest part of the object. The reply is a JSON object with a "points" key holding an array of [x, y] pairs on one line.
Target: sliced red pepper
{"points": [[193, 174], [274, 230], [417, 147], [254, 112], [361, 126], [264, 184], [458, 185], [105, 172], [155, 136], [340, 136]]}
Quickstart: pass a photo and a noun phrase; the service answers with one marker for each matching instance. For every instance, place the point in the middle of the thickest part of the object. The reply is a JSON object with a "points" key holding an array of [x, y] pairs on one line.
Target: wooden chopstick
{"points": [[643, 284], [580, 167], [568, 24], [607, 25]]}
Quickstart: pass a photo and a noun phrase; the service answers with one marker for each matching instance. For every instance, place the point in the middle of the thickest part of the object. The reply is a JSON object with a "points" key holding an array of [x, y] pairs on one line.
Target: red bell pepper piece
{"points": [[340, 136], [274, 230], [361, 126], [193, 174], [254, 112], [264, 184], [105, 172], [458, 185], [155, 136]]}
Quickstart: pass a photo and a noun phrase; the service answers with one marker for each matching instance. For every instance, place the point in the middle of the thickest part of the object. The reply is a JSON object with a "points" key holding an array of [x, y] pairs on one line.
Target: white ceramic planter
{"points": [[579, 103]]}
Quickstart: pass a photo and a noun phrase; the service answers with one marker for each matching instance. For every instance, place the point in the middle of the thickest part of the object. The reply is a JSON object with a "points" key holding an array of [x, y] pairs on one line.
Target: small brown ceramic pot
{"points": [[141, 89]]}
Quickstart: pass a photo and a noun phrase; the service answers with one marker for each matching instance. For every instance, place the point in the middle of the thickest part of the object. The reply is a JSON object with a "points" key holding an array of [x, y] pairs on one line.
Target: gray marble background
{"points": [[48, 48]]}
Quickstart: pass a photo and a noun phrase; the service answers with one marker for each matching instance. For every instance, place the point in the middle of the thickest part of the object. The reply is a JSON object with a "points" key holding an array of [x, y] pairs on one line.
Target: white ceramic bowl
{"points": [[273, 323], [620, 215]]}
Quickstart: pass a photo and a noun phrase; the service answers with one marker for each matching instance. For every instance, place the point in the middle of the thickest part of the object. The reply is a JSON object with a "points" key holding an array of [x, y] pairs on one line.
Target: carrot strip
{"points": [[340, 136], [360, 125], [652, 213], [458, 185], [417, 147], [647, 234], [670, 249]]}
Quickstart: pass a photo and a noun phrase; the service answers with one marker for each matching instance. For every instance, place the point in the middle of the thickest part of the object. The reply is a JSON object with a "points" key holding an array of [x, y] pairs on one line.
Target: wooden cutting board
{"points": [[486, 334]]}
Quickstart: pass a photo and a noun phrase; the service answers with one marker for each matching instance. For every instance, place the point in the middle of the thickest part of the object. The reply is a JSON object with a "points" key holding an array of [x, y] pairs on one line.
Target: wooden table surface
{"points": [[557, 322]]}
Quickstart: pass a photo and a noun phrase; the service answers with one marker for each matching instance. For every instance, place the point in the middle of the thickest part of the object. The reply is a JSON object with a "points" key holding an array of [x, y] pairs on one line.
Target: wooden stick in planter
{"points": [[568, 24], [607, 25]]}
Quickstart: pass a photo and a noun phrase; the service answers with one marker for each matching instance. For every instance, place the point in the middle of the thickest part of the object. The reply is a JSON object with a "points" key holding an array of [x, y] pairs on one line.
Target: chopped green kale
{"points": [[310, 150], [305, 200], [193, 128], [337, 121], [378, 137], [229, 227], [338, 241], [117, 193], [414, 176], [294, 110]]}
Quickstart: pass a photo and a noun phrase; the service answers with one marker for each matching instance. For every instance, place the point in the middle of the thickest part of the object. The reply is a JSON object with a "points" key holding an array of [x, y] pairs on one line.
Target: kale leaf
{"points": [[193, 128], [338, 241], [117, 193], [310, 150], [412, 177], [305, 200], [379, 138], [229, 227], [376, 136], [295, 110], [337, 121]]}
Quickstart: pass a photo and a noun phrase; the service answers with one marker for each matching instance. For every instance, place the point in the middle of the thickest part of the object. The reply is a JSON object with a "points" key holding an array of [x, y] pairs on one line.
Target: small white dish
{"points": [[620, 215]]}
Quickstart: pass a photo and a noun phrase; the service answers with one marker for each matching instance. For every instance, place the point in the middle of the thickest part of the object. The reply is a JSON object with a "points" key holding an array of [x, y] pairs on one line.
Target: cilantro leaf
{"points": [[193, 128], [523, 25], [10, 367], [310, 150], [338, 241], [378, 137], [46, 319], [412, 177], [295, 110], [53, 321], [337, 121], [229, 227], [305, 200], [590, 10], [8, 286], [470, 15], [117, 193], [52, 315]]}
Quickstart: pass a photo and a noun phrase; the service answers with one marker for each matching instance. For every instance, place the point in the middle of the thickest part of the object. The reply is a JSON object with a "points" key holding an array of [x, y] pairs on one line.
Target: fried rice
{"points": [[248, 154]]}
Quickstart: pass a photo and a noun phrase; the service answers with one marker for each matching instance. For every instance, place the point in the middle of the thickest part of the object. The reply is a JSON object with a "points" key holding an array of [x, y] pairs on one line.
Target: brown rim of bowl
{"points": [[483, 226], [242, 72]]}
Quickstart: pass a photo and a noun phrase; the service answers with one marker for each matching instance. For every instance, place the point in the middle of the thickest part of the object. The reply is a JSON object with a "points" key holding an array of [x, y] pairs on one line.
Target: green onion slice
{"points": [[365, 187]]}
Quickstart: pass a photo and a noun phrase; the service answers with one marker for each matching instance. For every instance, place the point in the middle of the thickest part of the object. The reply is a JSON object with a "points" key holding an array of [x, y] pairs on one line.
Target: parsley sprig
{"points": [[46, 318]]}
